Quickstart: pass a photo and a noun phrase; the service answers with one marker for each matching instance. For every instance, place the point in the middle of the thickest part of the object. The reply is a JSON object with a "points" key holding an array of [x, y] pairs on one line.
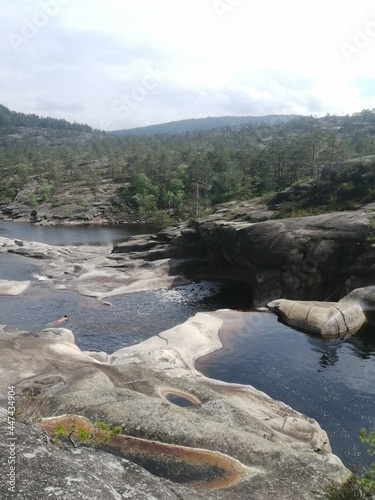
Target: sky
{"points": [[118, 64]]}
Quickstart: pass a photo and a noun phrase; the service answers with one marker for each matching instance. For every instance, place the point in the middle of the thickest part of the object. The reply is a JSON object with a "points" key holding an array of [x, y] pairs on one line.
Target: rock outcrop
{"points": [[300, 258], [321, 257], [13, 287], [329, 319], [219, 440], [96, 271], [153, 391]]}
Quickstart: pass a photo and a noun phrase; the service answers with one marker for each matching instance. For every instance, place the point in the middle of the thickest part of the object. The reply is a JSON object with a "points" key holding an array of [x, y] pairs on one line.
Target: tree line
{"points": [[10, 121], [184, 173]]}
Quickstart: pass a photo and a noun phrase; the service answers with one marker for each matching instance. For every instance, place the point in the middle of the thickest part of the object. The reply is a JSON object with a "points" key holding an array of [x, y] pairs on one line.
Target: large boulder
{"points": [[329, 319]]}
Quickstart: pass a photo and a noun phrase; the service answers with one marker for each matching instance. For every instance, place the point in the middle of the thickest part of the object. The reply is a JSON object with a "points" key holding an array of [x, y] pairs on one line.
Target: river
{"points": [[331, 381]]}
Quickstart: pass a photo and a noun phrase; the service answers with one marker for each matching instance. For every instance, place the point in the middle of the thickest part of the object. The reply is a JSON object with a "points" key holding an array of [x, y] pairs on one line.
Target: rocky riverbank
{"points": [[253, 446], [219, 441], [321, 257]]}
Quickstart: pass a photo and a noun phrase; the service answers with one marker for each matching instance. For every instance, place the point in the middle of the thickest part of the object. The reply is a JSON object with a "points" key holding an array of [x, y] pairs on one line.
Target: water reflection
{"points": [[327, 350], [363, 343], [72, 235], [331, 381]]}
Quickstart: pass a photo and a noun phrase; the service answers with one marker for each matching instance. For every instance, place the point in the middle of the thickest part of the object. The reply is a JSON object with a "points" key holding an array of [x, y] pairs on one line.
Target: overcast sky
{"points": [[124, 63]]}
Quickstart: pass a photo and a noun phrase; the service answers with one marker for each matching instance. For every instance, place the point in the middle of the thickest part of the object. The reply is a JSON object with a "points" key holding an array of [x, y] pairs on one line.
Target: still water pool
{"points": [[331, 381], [72, 235]]}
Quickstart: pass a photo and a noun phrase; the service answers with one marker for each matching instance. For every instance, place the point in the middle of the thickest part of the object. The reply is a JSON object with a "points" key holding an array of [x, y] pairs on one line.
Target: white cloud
{"points": [[77, 60]]}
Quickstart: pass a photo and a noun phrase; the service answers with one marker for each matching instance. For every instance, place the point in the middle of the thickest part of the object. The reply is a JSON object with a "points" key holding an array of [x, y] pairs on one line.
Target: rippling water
{"points": [[131, 319], [331, 381]]}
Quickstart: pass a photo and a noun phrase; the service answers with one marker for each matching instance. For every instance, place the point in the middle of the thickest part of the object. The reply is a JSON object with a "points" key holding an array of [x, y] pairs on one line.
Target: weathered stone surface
{"points": [[303, 258], [96, 271], [13, 287], [330, 319], [131, 389], [61, 334], [181, 464], [44, 471], [364, 297]]}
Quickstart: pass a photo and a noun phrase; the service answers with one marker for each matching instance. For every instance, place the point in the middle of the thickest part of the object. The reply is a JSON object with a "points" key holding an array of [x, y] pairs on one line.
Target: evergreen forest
{"points": [[318, 163]]}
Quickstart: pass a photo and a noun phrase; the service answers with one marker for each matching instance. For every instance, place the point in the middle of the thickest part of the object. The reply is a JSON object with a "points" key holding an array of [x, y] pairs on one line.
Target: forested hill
{"points": [[204, 124], [10, 121], [56, 170]]}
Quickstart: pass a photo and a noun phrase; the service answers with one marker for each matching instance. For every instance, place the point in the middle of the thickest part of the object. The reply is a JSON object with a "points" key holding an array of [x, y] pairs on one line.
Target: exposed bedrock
{"points": [[329, 319], [321, 257], [229, 441]]}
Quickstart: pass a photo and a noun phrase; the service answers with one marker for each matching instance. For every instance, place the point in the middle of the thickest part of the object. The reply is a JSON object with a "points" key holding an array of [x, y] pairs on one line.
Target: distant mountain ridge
{"points": [[204, 124], [11, 119]]}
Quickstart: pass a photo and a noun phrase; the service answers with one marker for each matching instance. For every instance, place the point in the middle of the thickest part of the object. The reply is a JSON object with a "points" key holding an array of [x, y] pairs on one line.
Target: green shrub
{"points": [[83, 435], [60, 431], [350, 490], [86, 205], [32, 200], [357, 486], [102, 425]]}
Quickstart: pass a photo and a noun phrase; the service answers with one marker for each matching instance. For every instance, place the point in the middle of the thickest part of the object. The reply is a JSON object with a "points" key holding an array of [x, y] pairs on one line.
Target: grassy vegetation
{"points": [[79, 435], [347, 189]]}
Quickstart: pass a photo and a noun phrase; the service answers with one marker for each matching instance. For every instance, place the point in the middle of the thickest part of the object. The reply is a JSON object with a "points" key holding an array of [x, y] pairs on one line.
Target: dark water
{"points": [[131, 319], [331, 381], [71, 235]]}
